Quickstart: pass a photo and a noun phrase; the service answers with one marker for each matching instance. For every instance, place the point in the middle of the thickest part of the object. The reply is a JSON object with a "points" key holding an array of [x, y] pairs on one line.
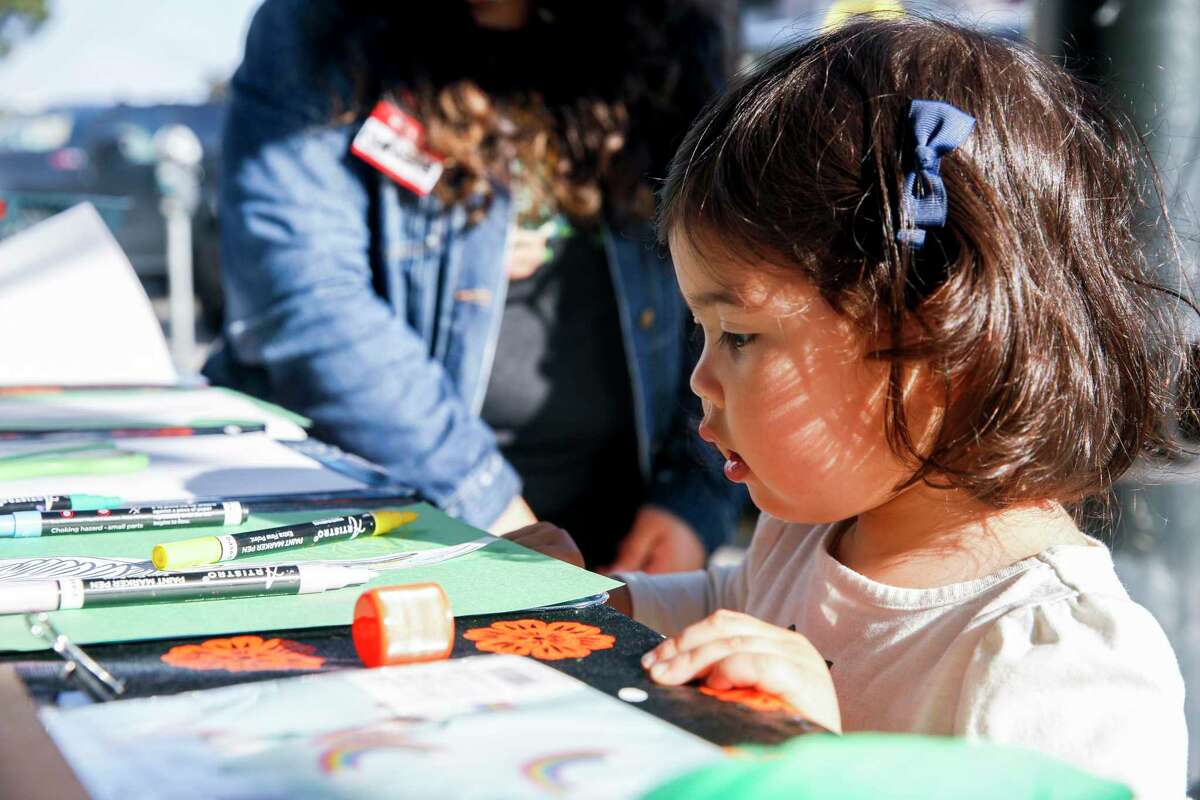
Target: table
{"points": [[142, 667], [177, 665]]}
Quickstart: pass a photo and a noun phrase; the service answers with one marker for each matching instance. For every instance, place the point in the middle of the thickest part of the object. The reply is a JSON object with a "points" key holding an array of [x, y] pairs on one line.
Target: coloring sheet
{"points": [[481, 727]]}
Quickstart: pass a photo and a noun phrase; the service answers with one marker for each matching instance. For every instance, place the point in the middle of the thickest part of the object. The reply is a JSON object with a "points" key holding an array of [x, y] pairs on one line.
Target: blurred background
{"points": [[92, 94], [92, 97], [121, 103]]}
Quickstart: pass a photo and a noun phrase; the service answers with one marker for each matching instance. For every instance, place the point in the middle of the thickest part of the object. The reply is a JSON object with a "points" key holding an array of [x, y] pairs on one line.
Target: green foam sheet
{"points": [[499, 578]]}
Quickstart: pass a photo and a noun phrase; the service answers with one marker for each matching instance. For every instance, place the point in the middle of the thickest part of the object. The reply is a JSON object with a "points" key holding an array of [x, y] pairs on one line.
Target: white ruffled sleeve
{"points": [[669, 603], [1090, 679]]}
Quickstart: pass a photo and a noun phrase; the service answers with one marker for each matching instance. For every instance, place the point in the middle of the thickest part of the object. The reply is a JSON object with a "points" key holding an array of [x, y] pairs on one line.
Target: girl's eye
{"points": [[736, 341]]}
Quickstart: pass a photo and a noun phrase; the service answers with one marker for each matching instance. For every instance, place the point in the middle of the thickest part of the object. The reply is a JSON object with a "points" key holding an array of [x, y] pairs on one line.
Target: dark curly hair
{"points": [[1035, 306], [587, 101]]}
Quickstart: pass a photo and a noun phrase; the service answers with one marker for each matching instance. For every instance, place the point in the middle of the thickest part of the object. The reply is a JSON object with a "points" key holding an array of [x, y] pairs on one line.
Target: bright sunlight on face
{"points": [[787, 391]]}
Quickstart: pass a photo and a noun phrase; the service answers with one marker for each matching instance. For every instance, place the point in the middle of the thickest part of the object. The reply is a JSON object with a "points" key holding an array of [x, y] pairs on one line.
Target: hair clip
{"points": [[937, 129]]}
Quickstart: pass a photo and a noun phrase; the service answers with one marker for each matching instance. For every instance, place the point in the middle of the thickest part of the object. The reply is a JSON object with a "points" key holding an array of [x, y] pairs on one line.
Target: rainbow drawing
{"points": [[547, 772], [337, 759], [347, 752]]}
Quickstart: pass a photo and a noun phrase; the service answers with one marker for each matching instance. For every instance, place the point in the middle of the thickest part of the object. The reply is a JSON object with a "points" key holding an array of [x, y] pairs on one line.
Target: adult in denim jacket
{"points": [[376, 312]]}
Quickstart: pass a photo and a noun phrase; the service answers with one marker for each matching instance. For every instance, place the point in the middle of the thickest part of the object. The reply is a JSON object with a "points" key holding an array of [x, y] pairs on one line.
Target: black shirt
{"points": [[560, 401]]}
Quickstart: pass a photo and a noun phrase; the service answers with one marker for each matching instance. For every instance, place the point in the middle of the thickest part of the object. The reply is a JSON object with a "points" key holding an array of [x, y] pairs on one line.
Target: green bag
{"points": [[874, 766]]}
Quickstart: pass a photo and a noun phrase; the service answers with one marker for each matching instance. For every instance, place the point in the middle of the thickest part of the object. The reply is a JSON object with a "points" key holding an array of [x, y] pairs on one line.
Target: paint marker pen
{"points": [[232, 428], [29, 524], [215, 549], [58, 502], [30, 597]]}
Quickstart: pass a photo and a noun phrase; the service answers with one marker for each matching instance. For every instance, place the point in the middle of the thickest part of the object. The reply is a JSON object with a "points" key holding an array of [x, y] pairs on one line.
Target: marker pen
{"points": [[254, 503], [29, 524], [58, 502], [232, 428], [215, 549], [30, 597]]}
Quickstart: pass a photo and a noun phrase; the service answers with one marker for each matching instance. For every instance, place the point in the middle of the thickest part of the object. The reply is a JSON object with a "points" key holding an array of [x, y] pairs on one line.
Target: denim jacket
{"points": [[376, 312]]}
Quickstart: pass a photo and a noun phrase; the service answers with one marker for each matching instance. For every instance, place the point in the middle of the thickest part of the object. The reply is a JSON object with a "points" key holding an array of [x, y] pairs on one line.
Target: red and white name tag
{"points": [[394, 143]]}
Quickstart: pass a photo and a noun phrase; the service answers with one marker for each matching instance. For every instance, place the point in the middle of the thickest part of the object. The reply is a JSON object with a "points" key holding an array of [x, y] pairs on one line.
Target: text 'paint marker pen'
{"points": [[29, 524], [215, 549], [31, 597], [58, 502]]}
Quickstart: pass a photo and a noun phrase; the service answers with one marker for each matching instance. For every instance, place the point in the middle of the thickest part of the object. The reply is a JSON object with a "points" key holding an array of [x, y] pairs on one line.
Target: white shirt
{"points": [[1048, 653]]}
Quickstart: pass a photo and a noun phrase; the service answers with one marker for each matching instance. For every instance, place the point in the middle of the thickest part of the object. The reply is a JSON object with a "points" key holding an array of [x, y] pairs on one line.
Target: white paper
{"points": [[473, 728], [185, 467], [121, 408], [72, 311]]}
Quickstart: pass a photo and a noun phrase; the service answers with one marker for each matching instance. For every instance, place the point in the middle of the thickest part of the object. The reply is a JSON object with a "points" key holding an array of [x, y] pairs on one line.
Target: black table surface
{"points": [[145, 673]]}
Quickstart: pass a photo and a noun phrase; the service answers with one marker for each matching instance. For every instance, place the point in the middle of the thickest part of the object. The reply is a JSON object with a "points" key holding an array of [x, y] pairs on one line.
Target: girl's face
{"points": [[789, 398]]}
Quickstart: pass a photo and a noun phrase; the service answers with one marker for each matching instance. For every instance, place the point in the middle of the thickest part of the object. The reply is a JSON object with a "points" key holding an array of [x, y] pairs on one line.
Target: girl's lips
{"points": [[735, 468]]}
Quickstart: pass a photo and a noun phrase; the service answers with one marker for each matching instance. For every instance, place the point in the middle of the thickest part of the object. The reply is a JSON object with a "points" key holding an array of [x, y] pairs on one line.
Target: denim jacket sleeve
{"points": [[687, 477], [296, 247]]}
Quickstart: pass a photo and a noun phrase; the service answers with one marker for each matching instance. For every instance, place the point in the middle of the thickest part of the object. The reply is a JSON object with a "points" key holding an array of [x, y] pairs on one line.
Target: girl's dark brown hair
{"points": [[590, 99], [1035, 306]]}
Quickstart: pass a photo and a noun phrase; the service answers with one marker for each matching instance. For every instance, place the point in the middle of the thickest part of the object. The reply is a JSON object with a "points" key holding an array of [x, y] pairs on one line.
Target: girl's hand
{"points": [[731, 650], [659, 541], [548, 540]]}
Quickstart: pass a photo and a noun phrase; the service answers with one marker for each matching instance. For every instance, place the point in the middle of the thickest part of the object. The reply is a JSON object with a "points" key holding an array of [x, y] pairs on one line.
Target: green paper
{"points": [[498, 578], [37, 401], [117, 463], [270, 408]]}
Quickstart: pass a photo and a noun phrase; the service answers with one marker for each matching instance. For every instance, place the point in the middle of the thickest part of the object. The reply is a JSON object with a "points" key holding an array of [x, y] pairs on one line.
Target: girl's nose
{"points": [[704, 384]]}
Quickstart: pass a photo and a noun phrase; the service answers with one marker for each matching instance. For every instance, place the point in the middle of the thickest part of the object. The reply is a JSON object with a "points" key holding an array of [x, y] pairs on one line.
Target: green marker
{"points": [[59, 502], [215, 549]]}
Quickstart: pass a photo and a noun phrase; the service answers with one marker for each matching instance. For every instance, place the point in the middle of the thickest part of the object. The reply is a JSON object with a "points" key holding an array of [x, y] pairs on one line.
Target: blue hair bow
{"points": [[937, 129]]}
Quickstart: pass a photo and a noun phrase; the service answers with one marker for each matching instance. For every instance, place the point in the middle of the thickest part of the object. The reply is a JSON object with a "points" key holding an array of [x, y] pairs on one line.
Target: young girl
{"points": [[928, 329]]}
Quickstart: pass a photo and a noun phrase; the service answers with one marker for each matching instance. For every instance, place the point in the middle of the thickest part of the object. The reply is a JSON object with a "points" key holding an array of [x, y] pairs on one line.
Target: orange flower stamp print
{"points": [[244, 654], [548, 641], [754, 698]]}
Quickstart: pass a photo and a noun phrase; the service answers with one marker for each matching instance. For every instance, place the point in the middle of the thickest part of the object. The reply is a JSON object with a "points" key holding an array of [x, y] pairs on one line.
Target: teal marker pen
{"points": [[26, 524], [59, 502]]}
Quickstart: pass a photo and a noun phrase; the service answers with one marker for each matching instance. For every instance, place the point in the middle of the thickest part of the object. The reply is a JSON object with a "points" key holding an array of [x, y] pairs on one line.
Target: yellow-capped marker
{"points": [[206, 550], [387, 521], [230, 546]]}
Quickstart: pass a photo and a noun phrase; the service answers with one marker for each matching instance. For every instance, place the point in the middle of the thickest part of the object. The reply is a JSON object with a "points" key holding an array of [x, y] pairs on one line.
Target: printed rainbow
{"points": [[546, 772], [347, 754]]}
